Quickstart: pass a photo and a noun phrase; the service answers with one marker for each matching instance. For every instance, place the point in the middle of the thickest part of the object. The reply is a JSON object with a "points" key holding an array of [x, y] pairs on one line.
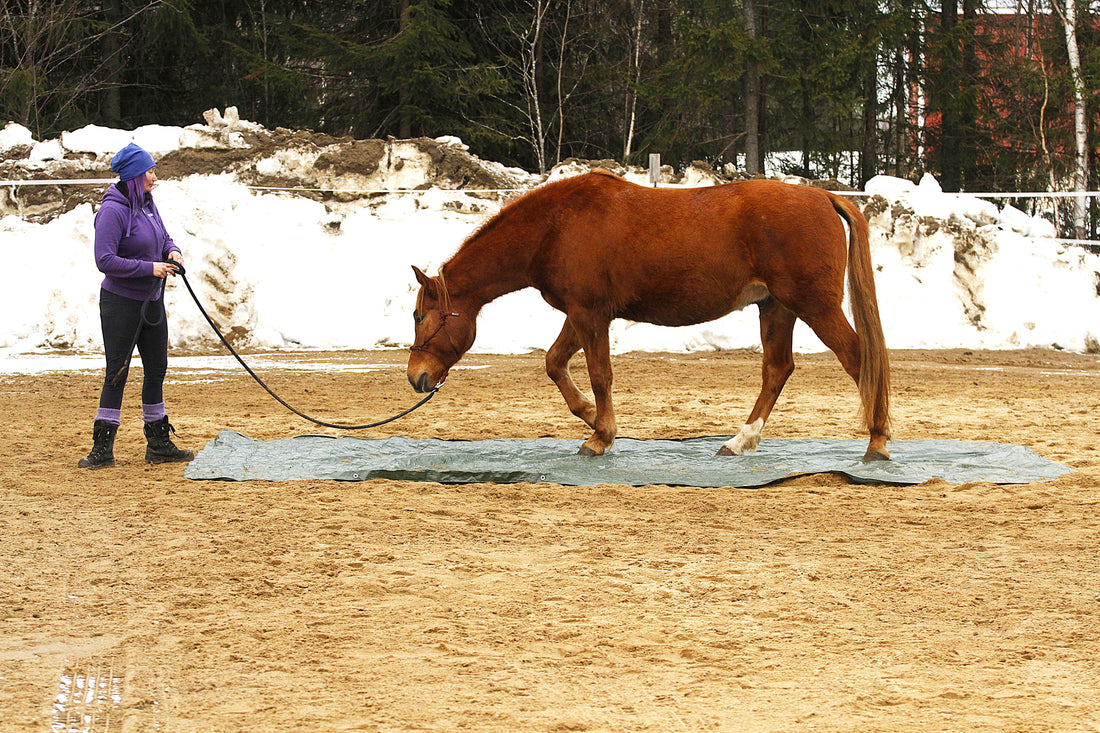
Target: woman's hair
{"points": [[134, 189]]}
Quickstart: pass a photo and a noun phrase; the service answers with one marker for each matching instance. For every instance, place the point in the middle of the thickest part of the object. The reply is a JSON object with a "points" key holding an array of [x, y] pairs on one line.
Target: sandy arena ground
{"points": [[145, 601]]}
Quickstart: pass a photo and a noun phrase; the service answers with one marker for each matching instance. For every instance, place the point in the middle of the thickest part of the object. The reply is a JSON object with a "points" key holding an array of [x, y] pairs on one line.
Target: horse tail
{"points": [[874, 369]]}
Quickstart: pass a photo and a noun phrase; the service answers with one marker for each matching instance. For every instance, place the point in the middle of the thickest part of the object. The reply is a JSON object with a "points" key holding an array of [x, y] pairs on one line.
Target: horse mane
{"points": [[511, 207], [444, 292], [505, 212], [497, 257]]}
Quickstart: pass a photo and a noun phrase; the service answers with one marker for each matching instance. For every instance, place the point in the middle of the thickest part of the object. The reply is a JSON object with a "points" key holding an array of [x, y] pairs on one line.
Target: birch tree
{"points": [[527, 29], [753, 159], [1080, 129], [636, 77]]}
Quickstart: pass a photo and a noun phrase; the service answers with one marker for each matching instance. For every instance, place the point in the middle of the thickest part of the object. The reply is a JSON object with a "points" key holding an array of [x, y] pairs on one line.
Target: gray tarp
{"points": [[691, 462]]}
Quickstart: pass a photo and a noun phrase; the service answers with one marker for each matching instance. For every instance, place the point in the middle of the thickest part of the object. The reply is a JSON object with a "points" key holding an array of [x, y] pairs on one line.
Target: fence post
{"points": [[654, 168]]}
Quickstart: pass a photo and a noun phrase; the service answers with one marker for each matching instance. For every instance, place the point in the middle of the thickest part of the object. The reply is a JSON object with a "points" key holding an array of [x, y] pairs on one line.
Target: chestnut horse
{"points": [[599, 248]]}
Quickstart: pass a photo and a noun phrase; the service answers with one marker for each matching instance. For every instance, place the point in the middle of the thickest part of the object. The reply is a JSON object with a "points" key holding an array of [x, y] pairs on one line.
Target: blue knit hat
{"points": [[131, 162]]}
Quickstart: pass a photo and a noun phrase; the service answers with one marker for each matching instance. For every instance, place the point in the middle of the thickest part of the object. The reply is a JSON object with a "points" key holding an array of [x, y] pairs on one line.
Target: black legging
{"points": [[119, 318]]}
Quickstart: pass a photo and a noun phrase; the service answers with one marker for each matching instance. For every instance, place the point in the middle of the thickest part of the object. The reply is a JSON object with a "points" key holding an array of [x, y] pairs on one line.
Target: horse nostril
{"points": [[420, 384]]}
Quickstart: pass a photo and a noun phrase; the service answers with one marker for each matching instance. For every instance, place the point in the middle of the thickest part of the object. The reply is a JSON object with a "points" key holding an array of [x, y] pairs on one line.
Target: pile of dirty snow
{"points": [[295, 239]]}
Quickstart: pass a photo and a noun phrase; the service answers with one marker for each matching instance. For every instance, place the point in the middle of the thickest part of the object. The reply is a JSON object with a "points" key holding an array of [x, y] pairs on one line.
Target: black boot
{"points": [[103, 446], [161, 448]]}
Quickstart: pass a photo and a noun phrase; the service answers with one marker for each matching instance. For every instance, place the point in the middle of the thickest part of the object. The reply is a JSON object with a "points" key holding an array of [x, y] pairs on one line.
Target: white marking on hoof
{"points": [[746, 440]]}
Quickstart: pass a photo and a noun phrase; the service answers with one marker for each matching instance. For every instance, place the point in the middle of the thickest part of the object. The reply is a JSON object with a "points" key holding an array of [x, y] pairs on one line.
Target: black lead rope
{"points": [[182, 273], [142, 322]]}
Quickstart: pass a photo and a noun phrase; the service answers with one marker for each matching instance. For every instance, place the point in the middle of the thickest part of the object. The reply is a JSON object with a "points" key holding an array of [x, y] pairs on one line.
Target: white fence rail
{"points": [[393, 191]]}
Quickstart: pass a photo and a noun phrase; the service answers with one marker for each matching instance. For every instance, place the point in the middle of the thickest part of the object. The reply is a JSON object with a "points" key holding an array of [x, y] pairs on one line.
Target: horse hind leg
{"points": [[557, 368], [835, 332], [776, 336]]}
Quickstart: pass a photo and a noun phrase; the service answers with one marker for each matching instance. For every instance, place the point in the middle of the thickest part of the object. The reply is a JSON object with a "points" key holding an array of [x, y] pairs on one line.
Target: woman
{"points": [[133, 250]]}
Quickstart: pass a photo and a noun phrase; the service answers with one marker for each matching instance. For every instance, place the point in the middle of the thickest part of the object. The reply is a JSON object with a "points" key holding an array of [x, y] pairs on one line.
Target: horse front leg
{"points": [[777, 338], [557, 368], [592, 333]]}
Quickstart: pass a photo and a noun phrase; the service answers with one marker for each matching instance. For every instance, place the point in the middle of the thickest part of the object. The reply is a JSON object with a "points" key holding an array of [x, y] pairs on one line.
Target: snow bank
{"points": [[279, 270]]}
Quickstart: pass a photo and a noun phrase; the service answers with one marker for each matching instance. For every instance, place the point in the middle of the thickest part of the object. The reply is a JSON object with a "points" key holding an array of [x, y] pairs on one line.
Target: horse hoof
{"points": [[873, 455], [586, 451], [725, 451]]}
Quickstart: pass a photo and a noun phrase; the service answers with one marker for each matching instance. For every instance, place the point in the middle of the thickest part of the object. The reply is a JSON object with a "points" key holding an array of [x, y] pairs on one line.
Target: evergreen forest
{"points": [[986, 96]]}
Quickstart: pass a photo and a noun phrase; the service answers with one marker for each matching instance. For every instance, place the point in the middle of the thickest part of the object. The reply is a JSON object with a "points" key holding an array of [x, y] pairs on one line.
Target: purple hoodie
{"points": [[129, 237]]}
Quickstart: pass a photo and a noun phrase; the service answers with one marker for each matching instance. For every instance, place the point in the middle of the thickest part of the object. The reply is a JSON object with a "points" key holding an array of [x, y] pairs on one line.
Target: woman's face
{"points": [[150, 179]]}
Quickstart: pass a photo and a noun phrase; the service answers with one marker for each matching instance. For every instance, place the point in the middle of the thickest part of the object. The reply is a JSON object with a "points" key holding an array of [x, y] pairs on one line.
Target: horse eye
{"points": [[418, 318]]}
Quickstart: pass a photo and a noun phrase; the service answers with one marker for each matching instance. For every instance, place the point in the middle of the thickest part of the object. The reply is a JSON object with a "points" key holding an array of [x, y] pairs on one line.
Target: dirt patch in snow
{"points": [[319, 165]]}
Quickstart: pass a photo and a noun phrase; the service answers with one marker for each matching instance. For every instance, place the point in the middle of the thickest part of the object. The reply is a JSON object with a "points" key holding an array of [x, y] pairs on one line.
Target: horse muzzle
{"points": [[422, 382], [425, 374]]}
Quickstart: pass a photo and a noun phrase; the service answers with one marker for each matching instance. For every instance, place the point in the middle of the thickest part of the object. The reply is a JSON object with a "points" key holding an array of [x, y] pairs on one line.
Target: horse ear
{"points": [[421, 278]]}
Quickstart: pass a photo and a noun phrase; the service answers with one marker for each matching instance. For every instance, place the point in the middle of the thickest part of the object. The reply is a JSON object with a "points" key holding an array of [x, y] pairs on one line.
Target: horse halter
{"points": [[443, 315]]}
